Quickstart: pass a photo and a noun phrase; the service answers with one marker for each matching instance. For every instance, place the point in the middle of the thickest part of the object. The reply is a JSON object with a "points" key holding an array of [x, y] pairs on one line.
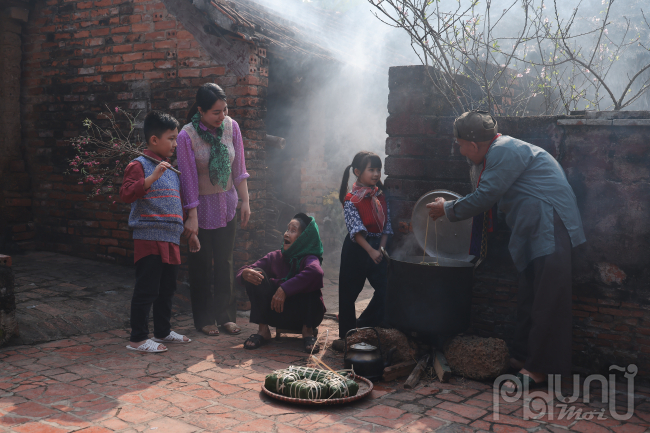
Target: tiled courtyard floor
{"points": [[91, 383]]}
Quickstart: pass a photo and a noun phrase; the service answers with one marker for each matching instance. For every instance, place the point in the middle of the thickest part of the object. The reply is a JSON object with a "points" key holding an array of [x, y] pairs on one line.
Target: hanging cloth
{"points": [[482, 224]]}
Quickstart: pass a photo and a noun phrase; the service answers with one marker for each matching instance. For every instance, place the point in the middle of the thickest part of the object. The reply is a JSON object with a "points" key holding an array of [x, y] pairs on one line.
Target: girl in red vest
{"points": [[367, 218]]}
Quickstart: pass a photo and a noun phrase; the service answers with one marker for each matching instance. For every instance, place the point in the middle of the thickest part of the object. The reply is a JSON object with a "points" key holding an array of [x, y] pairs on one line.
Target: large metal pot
{"points": [[432, 301]]}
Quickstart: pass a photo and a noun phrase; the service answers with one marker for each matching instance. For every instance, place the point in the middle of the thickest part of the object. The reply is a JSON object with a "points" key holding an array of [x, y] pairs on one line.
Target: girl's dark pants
{"points": [[219, 304], [155, 284], [356, 267], [305, 309], [544, 317]]}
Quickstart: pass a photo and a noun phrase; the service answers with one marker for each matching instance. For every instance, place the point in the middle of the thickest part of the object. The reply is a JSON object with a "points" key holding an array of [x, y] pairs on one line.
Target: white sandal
{"points": [[148, 346], [172, 338]]}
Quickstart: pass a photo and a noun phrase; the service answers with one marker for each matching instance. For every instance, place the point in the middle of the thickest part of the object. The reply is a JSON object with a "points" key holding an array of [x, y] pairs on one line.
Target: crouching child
{"points": [[157, 222]]}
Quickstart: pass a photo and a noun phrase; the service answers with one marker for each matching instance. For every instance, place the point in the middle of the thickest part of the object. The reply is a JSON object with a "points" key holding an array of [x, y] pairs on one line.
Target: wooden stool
{"points": [[280, 331]]}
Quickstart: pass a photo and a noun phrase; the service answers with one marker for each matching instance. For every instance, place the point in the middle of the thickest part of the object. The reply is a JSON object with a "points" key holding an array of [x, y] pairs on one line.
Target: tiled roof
{"points": [[254, 22]]}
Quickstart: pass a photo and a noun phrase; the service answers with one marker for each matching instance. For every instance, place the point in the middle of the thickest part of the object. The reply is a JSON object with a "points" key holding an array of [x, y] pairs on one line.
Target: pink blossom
{"points": [[117, 109], [75, 169], [519, 75], [80, 183], [113, 202]]}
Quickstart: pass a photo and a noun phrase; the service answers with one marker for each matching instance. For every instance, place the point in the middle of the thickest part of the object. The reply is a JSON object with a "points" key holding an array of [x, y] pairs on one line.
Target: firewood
{"points": [[414, 378], [398, 370], [442, 368]]}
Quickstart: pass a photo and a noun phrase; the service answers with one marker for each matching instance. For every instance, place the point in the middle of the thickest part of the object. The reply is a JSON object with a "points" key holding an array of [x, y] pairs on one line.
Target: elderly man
{"points": [[531, 188]]}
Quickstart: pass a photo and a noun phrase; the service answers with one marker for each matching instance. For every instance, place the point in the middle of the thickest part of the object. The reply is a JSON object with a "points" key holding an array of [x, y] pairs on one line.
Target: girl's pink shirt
{"points": [[214, 210]]}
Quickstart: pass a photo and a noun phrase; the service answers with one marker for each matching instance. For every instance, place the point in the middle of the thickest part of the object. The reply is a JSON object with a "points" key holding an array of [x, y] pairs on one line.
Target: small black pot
{"points": [[366, 360]]}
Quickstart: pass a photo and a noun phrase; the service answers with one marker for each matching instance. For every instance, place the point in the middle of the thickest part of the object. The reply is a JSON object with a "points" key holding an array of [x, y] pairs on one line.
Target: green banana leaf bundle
{"points": [[279, 379], [299, 381], [338, 387], [306, 389]]}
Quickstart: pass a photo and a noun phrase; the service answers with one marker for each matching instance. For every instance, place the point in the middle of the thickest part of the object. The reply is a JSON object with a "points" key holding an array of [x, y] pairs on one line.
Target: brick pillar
{"points": [[16, 229], [8, 324], [419, 150], [247, 104]]}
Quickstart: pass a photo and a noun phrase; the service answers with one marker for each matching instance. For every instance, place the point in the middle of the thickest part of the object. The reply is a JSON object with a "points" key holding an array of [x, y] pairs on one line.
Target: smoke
{"points": [[352, 95]]}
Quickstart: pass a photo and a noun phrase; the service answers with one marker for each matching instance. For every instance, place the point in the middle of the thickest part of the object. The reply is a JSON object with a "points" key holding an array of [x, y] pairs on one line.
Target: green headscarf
{"points": [[219, 164], [307, 244]]}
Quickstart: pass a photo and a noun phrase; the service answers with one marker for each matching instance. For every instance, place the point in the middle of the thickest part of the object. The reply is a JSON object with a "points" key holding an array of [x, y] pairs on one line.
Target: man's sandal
{"points": [[310, 345], [172, 338], [231, 328], [257, 341], [149, 346], [210, 330], [528, 382]]}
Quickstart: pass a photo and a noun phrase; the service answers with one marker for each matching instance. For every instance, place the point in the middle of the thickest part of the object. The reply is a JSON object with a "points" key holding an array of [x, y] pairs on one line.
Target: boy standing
{"points": [[157, 222]]}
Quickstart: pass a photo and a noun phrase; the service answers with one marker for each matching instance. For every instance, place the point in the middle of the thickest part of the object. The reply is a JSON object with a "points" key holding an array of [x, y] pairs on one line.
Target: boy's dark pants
{"points": [[544, 316], [155, 284], [218, 305], [305, 309], [356, 266]]}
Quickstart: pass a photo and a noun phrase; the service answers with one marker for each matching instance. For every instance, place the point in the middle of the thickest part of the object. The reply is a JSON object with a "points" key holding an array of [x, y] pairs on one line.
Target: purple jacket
{"points": [[308, 279]]}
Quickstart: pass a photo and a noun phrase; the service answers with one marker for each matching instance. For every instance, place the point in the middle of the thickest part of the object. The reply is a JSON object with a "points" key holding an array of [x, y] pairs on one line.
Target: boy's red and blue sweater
{"points": [[158, 216]]}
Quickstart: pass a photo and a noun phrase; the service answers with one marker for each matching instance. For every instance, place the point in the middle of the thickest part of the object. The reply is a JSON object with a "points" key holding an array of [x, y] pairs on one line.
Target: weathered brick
{"points": [[132, 57], [146, 66], [189, 73]]}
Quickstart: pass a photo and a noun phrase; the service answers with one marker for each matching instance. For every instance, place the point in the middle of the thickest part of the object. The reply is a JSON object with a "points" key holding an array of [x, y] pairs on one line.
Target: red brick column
{"points": [[16, 227]]}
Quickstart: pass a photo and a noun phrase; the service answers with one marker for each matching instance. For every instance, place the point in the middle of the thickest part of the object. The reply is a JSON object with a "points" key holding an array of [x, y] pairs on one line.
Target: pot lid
{"points": [[364, 347], [452, 239]]}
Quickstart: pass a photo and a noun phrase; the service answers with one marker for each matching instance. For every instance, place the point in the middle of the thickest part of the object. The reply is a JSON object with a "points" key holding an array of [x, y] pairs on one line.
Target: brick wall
{"points": [[82, 55], [606, 157], [16, 227]]}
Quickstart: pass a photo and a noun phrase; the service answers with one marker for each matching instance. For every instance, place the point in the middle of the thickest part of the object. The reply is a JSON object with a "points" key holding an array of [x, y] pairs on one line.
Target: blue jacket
{"points": [[528, 185]]}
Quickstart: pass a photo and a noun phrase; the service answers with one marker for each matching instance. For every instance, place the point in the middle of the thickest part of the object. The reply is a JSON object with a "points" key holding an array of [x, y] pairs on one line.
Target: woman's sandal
{"points": [[148, 346], [257, 340], [231, 328], [310, 345], [172, 338], [210, 330]]}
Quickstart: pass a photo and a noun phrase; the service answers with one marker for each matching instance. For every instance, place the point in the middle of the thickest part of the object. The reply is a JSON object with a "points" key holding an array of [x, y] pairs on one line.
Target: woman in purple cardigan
{"points": [[210, 156], [284, 286]]}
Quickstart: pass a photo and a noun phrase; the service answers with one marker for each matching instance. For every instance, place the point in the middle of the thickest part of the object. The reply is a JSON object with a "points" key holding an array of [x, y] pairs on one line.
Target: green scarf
{"points": [[219, 164], [307, 244]]}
